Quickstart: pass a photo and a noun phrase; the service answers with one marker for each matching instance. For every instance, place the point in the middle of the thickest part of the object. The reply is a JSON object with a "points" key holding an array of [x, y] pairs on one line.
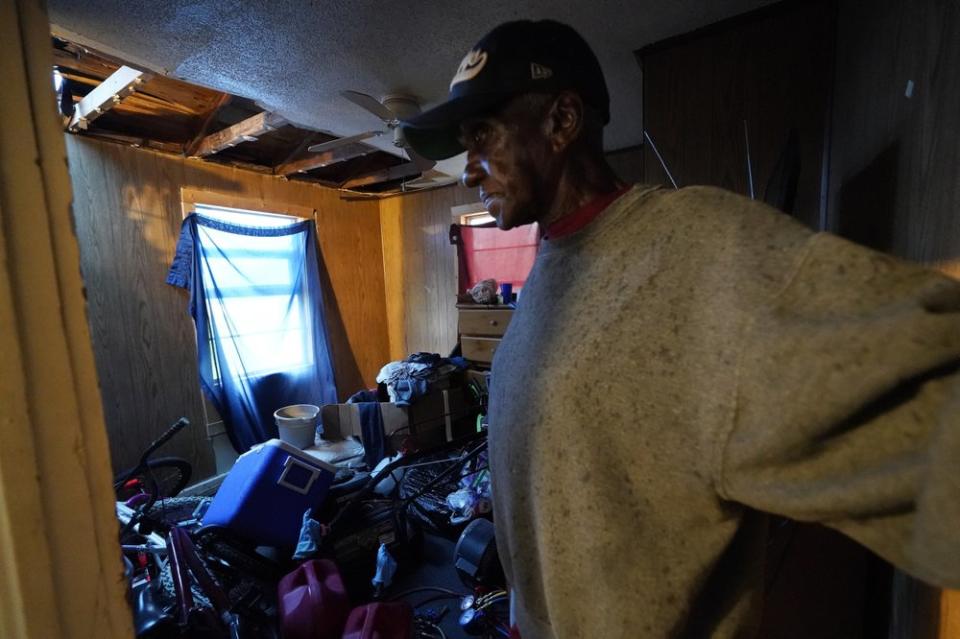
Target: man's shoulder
{"points": [[708, 213]]}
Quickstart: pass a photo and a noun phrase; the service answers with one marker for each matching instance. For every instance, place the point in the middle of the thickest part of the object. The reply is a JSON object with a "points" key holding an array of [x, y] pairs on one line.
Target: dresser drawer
{"points": [[479, 349], [484, 321]]}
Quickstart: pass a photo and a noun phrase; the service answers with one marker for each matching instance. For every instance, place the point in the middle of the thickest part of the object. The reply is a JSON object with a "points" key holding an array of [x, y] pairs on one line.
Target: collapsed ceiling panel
{"points": [[101, 96]]}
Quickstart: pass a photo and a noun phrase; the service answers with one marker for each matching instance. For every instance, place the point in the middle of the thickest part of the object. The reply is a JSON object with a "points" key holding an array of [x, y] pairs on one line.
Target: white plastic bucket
{"points": [[297, 424]]}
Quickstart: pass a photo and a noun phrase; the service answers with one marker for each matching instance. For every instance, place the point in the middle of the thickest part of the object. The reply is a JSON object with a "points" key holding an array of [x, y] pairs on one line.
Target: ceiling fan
{"points": [[391, 110]]}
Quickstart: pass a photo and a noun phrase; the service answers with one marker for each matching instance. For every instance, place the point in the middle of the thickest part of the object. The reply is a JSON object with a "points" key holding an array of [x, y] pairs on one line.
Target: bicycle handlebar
{"points": [[180, 424]]}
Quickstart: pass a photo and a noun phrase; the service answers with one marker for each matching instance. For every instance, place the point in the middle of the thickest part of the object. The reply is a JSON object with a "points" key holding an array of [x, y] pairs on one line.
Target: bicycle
{"points": [[156, 478], [185, 580], [137, 490]]}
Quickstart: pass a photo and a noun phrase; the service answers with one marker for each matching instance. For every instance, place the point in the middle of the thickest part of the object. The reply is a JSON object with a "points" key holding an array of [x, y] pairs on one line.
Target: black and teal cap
{"points": [[525, 56]]}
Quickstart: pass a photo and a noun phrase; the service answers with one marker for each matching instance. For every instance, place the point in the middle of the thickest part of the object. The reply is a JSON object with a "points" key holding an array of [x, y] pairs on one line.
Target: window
{"points": [[486, 252], [248, 281], [477, 219]]}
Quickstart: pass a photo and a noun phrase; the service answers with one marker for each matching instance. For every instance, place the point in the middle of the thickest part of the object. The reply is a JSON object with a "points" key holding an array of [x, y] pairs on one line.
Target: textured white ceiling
{"points": [[294, 56]]}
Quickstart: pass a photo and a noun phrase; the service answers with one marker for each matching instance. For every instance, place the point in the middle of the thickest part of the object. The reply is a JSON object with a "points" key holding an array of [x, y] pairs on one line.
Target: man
{"points": [[682, 362]]}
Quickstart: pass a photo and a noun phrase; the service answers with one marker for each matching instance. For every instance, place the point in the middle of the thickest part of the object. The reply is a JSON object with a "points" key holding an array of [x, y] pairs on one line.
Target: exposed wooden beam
{"points": [[407, 169], [360, 196], [197, 140], [247, 166], [156, 145], [304, 143], [324, 159], [188, 98], [245, 131], [106, 95], [310, 179]]}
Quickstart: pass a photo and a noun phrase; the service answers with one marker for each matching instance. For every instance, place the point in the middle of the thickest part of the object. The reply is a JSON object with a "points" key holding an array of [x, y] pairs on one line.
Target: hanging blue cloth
{"points": [[261, 335], [371, 427]]}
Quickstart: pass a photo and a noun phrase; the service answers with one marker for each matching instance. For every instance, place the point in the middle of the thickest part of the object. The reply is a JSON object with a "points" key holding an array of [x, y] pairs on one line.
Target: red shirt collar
{"points": [[573, 222]]}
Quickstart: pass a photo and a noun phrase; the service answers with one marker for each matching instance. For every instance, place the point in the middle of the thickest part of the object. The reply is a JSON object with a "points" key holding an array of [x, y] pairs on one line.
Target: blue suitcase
{"points": [[265, 494]]}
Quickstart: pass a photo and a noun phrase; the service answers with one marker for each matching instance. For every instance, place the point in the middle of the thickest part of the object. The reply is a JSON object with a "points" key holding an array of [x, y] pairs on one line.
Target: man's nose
{"points": [[473, 172]]}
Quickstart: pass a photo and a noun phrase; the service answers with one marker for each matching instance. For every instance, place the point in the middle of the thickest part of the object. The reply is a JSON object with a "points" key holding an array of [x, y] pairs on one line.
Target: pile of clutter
{"points": [[343, 533]]}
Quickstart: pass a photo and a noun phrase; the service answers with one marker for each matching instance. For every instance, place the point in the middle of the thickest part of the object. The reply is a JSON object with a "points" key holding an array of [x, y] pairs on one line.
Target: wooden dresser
{"points": [[481, 327]]}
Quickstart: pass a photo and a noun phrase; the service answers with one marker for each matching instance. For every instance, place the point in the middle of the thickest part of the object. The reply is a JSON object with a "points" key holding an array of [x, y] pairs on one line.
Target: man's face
{"points": [[508, 158]]}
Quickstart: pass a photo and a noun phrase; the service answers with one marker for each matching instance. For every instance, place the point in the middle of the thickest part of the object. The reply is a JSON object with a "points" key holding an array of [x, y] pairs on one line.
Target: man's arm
{"points": [[848, 407]]}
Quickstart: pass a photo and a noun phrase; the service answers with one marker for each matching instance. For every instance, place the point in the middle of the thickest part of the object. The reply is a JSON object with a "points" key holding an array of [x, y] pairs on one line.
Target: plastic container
{"points": [[313, 602], [297, 424], [383, 620], [265, 494]]}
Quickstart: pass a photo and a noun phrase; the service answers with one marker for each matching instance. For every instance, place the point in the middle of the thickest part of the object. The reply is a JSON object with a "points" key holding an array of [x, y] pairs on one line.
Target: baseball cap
{"points": [[524, 56]]}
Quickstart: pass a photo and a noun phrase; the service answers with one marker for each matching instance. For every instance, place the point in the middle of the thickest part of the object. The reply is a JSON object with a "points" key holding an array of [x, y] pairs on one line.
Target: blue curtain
{"points": [[261, 336]]}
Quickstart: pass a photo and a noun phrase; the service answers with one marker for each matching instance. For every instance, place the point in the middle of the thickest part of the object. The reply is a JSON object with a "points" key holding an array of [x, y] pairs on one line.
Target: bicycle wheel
{"points": [[171, 474]]}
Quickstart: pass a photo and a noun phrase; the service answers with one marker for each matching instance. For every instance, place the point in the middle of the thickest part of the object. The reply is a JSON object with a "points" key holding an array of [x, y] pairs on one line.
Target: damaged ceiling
{"points": [[101, 97], [293, 58]]}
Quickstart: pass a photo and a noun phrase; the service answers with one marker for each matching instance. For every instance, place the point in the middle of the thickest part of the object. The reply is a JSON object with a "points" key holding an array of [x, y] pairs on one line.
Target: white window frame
{"points": [[474, 214]]}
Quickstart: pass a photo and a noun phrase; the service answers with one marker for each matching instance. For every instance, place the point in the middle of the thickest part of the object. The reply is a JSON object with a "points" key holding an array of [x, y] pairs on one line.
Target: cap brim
{"points": [[435, 134]]}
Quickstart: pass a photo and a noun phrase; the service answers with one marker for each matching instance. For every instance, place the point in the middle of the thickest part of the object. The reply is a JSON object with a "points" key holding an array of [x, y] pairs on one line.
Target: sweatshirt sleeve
{"points": [[847, 410]]}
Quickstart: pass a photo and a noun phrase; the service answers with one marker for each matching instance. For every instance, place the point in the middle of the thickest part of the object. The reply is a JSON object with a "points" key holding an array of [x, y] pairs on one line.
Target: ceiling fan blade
{"points": [[340, 142], [423, 163], [371, 104], [430, 179], [408, 169]]}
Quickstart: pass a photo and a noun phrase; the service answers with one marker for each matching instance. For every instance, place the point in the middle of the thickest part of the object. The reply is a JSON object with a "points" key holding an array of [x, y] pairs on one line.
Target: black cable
{"points": [[423, 603], [474, 472], [436, 480], [423, 624], [448, 460], [413, 591], [388, 470], [398, 482]]}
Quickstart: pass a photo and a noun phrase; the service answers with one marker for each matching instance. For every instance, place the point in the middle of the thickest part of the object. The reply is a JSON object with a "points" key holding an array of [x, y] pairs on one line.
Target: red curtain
{"points": [[489, 253]]}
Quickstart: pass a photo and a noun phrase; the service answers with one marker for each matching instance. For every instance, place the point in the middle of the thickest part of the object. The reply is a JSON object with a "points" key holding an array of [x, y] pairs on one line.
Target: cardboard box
{"points": [[343, 420], [435, 418]]}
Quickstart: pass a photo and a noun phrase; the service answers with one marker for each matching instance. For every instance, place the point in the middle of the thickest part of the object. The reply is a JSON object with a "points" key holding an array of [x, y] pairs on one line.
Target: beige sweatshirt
{"points": [[689, 360]]}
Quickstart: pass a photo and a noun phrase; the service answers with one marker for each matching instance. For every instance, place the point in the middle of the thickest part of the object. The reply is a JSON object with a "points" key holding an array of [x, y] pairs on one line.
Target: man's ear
{"points": [[564, 120]]}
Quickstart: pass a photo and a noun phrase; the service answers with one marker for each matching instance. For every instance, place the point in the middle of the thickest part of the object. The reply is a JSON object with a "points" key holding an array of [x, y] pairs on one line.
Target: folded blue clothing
{"points": [[404, 391]]}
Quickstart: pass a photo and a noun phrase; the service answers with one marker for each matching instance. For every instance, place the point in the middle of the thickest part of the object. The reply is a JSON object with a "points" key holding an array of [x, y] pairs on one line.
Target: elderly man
{"points": [[680, 364]]}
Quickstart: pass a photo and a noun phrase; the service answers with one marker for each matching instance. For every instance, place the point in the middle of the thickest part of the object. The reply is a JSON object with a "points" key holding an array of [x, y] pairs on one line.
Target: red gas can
{"points": [[313, 602], [380, 621]]}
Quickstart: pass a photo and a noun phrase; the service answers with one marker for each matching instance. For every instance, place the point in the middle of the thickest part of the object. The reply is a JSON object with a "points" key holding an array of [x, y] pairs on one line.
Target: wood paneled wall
{"points": [[892, 91], [771, 68], [128, 214], [895, 179], [420, 270], [895, 165]]}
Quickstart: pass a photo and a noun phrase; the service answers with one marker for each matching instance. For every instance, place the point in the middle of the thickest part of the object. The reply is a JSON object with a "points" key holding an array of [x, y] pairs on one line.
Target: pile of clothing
{"points": [[412, 377]]}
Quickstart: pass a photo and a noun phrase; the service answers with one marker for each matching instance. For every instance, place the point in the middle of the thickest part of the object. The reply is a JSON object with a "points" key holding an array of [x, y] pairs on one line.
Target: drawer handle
{"points": [[493, 322]]}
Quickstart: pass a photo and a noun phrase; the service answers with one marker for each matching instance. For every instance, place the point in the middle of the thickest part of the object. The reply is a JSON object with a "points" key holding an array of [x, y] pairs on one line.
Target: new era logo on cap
{"points": [[471, 65], [539, 72]]}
